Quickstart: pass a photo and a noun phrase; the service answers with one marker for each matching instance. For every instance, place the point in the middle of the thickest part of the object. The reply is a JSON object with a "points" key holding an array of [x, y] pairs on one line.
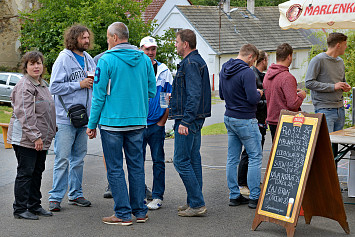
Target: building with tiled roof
{"points": [[221, 34], [158, 9]]}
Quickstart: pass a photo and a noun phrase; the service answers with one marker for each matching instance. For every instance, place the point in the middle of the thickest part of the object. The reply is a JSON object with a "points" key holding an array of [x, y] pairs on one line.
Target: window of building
{"points": [[294, 63]]}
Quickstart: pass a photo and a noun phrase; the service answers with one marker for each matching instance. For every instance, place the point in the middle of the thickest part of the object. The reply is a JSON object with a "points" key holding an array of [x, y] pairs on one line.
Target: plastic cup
{"points": [[91, 75], [289, 207], [164, 99]]}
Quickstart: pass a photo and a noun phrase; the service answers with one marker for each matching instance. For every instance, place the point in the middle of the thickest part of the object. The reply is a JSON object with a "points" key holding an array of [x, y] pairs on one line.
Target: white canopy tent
{"points": [[317, 14]]}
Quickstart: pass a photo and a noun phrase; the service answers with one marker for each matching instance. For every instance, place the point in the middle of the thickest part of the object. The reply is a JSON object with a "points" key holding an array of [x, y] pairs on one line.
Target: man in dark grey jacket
{"points": [[326, 79]]}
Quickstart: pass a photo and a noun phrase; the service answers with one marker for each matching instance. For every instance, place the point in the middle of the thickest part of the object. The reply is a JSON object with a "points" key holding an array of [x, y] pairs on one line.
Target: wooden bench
{"points": [[4, 127]]}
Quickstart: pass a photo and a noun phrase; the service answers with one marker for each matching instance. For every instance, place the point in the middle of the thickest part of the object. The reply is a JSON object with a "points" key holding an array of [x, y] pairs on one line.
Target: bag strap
{"points": [[61, 101], [65, 108]]}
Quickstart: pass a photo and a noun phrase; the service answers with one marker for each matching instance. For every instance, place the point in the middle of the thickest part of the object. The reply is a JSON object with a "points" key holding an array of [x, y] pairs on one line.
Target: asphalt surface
{"points": [[221, 220]]}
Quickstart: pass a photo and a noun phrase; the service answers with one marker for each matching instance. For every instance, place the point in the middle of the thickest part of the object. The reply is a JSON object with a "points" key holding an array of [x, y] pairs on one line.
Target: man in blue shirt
{"points": [[154, 134]]}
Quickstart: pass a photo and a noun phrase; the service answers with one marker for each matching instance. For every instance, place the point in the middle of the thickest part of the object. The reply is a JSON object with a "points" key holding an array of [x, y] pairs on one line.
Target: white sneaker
{"points": [[155, 204]]}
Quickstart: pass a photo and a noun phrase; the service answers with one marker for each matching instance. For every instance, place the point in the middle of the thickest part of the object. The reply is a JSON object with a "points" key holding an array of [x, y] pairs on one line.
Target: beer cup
{"points": [[91, 75], [289, 207]]}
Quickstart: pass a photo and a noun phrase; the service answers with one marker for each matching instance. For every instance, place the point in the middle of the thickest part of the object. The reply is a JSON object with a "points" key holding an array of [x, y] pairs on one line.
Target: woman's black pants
{"points": [[31, 164]]}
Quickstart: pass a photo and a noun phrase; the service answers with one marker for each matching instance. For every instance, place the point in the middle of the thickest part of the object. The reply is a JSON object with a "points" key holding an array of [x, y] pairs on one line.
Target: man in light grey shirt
{"points": [[326, 79]]}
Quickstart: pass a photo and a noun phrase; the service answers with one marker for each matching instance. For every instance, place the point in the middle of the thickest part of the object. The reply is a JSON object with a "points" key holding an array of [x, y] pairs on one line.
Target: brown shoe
{"points": [[193, 212], [142, 219], [183, 208], [113, 220]]}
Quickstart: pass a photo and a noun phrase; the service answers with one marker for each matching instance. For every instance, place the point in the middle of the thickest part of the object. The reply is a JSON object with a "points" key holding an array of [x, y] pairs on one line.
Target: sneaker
{"points": [[253, 203], [155, 204], [26, 215], [148, 193], [183, 208], [108, 193], [239, 201], [193, 211], [142, 219], [54, 206], [244, 190], [113, 220], [41, 212], [81, 201]]}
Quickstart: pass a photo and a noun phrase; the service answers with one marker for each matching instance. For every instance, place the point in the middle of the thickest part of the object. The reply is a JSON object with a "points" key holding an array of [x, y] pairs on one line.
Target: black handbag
{"points": [[78, 116], [77, 113]]}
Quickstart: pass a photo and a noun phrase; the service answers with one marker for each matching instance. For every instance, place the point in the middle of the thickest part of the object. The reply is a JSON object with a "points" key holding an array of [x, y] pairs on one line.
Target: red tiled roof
{"points": [[152, 10]]}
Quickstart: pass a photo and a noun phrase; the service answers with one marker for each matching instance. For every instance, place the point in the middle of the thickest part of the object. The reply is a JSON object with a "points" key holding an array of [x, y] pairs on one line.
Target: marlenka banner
{"points": [[317, 14]]}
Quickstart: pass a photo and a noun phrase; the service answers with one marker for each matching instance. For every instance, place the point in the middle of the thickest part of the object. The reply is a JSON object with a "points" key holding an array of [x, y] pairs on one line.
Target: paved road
{"points": [[221, 220]]}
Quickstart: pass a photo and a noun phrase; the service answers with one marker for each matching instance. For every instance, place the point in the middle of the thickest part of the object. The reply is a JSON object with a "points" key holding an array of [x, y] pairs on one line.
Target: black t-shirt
{"points": [[155, 66]]}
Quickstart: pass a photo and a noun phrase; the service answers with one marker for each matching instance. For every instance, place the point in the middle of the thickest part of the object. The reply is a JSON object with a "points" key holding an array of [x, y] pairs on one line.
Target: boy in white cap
{"points": [[154, 133]]}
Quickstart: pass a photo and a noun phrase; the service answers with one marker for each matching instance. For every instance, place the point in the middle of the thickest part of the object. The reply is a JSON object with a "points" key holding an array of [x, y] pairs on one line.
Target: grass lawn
{"points": [[216, 100], [214, 129], [5, 114]]}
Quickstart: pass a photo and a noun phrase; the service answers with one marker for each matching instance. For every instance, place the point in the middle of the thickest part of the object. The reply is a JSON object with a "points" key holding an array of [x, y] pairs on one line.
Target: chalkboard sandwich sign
{"points": [[288, 165], [289, 171]]}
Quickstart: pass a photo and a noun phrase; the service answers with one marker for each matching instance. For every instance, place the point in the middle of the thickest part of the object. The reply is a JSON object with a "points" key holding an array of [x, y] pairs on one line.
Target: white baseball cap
{"points": [[148, 42]]}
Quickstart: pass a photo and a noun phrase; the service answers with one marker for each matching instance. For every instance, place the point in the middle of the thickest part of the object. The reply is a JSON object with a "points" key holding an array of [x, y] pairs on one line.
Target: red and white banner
{"points": [[317, 14]]}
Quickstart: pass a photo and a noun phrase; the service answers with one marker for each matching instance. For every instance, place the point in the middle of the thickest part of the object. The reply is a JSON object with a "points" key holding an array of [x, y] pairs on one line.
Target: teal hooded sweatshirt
{"points": [[124, 80]]}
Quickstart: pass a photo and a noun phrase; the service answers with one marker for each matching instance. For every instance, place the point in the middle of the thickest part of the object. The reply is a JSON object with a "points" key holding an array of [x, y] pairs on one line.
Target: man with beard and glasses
{"points": [[70, 86]]}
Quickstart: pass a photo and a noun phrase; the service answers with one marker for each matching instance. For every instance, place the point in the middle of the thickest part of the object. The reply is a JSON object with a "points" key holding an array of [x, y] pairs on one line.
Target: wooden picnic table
{"points": [[4, 127]]}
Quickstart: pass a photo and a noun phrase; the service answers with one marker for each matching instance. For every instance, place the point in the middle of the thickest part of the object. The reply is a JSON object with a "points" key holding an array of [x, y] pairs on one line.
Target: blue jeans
{"points": [[243, 132], [335, 118], [154, 135], [70, 150], [131, 142], [335, 121], [187, 161]]}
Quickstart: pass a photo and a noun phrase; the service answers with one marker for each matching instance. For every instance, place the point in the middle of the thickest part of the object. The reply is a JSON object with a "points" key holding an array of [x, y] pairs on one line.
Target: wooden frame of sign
{"points": [[301, 170]]}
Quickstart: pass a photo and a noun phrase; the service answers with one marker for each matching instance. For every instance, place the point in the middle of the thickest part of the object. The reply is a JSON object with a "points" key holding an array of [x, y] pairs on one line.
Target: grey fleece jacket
{"points": [[33, 114], [65, 81], [323, 72]]}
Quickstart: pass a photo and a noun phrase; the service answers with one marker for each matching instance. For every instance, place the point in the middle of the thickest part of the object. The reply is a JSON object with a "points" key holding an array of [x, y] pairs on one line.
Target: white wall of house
{"points": [[176, 20], [167, 6], [299, 65]]}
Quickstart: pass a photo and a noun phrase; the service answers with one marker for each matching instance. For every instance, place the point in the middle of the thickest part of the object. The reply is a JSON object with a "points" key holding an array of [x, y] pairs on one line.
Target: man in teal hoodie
{"points": [[124, 80]]}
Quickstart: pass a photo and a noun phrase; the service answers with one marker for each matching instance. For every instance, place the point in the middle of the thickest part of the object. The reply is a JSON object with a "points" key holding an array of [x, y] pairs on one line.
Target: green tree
{"points": [[43, 29], [166, 48]]}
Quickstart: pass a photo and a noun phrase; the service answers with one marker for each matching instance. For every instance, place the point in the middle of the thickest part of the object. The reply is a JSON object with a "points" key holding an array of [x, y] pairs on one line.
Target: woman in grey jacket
{"points": [[31, 131]]}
